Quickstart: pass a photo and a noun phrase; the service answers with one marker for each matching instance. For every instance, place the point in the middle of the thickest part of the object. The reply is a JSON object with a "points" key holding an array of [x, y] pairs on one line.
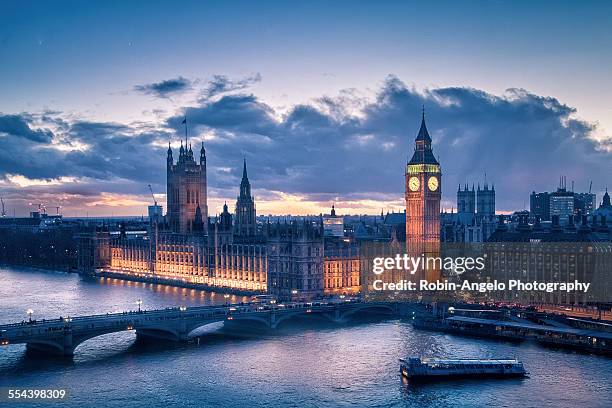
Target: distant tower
{"points": [[245, 225], [224, 229], [466, 200], [423, 195], [187, 192], [486, 200]]}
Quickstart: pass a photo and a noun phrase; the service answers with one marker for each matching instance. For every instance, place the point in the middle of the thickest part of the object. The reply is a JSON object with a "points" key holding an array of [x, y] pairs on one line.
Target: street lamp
{"points": [[139, 303], [30, 312]]}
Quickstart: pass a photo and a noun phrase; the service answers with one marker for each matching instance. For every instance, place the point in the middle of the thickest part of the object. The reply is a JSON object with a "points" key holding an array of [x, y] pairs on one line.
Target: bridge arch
{"points": [[47, 346], [367, 307], [306, 315], [78, 341], [193, 326]]}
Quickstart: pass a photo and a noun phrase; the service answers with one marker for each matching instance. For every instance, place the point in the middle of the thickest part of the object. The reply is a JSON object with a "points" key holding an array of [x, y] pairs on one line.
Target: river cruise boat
{"points": [[437, 368]]}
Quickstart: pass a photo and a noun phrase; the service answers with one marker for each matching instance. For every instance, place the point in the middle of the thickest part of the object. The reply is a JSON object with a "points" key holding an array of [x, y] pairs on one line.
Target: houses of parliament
{"points": [[297, 259]]}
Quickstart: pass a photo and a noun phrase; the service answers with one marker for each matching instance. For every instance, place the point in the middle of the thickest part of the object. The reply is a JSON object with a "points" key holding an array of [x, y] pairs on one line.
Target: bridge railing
{"points": [[238, 308]]}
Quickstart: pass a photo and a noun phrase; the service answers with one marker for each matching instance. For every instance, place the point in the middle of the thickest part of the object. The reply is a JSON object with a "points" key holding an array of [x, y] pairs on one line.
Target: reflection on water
{"points": [[349, 365]]}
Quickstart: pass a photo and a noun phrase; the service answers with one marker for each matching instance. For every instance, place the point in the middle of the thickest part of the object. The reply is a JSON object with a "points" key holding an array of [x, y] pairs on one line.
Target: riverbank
{"points": [[552, 333], [175, 282], [359, 363]]}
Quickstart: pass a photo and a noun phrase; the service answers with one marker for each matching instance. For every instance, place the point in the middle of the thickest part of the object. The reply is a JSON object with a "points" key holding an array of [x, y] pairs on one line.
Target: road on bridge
{"points": [[63, 335]]}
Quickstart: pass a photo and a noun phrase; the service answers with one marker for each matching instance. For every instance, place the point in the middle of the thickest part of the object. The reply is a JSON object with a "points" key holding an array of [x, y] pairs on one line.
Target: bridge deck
{"points": [[66, 333]]}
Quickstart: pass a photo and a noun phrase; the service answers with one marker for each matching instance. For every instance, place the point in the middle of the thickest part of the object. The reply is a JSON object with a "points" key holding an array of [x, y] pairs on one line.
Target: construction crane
{"points": [[3, 210], [42, 209], [153, 195]]}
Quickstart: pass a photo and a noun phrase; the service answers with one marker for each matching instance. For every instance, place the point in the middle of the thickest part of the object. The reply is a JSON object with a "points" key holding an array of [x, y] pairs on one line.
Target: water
{"points": [[352, 365]]}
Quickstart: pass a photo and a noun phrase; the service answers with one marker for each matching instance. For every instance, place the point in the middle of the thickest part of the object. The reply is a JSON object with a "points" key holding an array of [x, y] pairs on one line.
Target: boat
{"points": [[438, 368]]}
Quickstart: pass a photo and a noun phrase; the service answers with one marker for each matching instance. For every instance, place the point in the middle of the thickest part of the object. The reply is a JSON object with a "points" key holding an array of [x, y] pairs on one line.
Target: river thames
{"points": [[302, 366]]}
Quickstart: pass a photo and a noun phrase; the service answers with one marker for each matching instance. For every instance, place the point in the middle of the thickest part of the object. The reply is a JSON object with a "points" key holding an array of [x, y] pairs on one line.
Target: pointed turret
{"points": [[169, 158], [422, 150], [202, 155], [423, 133], [245, 224]]}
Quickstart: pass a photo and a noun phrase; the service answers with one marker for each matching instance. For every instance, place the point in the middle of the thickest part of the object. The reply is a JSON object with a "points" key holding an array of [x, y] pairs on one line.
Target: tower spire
{"points": [[185, 123], [423, 133]]}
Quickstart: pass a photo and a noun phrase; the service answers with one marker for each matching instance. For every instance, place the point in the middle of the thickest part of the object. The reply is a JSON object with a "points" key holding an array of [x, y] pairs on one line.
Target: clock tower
{"points": [[423, 195]]}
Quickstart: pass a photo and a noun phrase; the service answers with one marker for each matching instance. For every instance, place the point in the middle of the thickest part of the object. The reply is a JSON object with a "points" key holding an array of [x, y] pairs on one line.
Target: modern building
{"points": [[584, 204], [155, 213], [539, 206], [333, 225], [561, 202]]}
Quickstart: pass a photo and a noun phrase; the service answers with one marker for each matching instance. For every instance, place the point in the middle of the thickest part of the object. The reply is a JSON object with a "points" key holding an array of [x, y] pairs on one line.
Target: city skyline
{"points": [[89, 130]]}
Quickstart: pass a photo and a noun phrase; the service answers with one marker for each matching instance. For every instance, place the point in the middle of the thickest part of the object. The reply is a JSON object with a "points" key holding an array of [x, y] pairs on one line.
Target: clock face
{"points": [[432, 183], [414, 183]]}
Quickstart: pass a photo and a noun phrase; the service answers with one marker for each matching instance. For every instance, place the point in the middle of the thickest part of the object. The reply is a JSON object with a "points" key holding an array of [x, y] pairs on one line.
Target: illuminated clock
{"points": [[432, 183], [414, 183]]}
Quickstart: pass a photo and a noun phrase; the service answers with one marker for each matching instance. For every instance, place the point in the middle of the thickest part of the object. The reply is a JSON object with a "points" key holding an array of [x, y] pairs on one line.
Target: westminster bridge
{"points": [[61, 336]]}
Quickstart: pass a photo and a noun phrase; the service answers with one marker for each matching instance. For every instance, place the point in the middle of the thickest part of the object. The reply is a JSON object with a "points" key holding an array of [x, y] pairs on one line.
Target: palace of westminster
{"points": [[324, 255]]}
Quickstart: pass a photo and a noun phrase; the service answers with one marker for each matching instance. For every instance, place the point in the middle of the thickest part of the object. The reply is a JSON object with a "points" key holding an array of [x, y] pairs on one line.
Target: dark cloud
{"points": [[221, 84], [166, 88], [19, 126], [521, 140], [334, 148]]}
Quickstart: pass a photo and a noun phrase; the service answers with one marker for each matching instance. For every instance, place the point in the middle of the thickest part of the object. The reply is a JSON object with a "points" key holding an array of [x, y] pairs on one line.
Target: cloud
{"points": [[19, 127], [166, 88], [339, 148], [221, 84], [521, 140]]}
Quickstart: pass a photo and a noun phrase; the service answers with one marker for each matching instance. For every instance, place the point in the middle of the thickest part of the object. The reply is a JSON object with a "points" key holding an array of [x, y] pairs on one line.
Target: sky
{"points": [[323, 99]]}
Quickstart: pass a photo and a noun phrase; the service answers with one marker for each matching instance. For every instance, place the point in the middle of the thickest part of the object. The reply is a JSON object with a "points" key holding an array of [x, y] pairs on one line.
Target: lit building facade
{"points": [[342, 271], [187, 197], [423, 195], [232, 252]]}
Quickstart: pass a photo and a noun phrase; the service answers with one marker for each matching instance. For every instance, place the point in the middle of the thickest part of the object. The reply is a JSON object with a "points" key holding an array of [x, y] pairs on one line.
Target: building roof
{"points": [[422, 152], [395, 218], [423, 133]]}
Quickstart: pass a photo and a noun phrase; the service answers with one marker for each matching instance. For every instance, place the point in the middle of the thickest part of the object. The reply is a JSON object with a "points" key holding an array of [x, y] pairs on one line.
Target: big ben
{"points": [[423, 195]]}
